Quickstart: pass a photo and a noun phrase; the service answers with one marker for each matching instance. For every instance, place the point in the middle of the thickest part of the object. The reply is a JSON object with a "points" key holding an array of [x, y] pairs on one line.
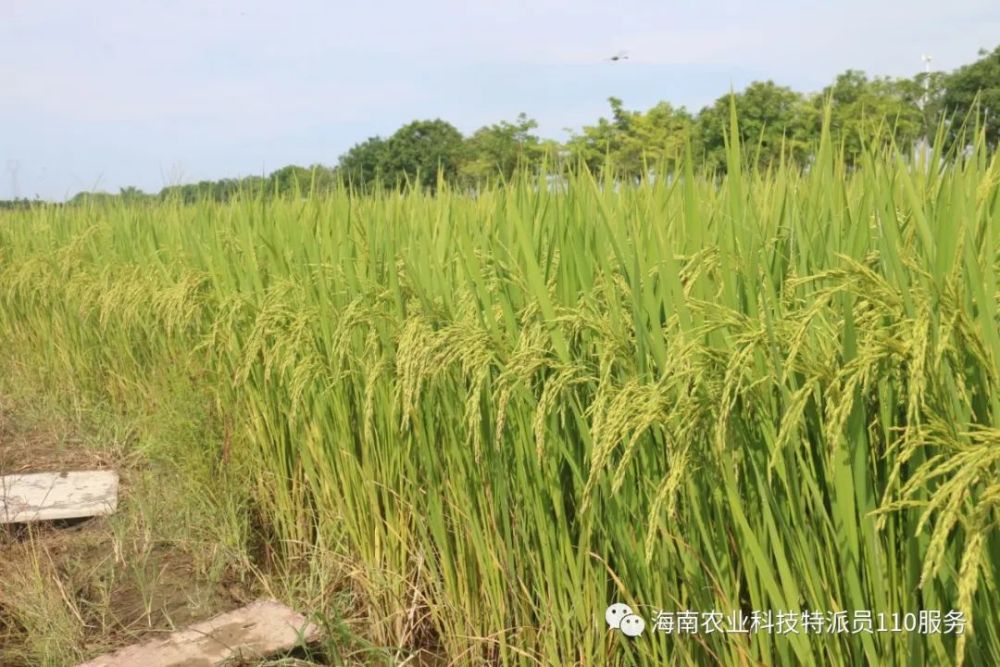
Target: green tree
{"points": [[81, 198], [977, 81], [366, 162], [304, 180], [132, 194], [925, 91], [604, 140], [417, 151], [654, 138], [500, 149], [872, 113], [635, 142], [772, 118]]}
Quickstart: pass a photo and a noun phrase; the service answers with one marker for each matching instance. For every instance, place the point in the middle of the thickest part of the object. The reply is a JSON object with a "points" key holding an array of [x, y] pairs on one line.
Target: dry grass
{"points": [[70, 589]]}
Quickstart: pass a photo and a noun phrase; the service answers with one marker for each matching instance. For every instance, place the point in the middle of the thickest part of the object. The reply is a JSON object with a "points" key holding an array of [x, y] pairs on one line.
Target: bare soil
{"points": [[115, 593]]}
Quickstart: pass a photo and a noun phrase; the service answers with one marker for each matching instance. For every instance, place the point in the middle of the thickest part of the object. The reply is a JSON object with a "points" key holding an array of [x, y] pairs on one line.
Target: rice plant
{"points": [[758, 390]]}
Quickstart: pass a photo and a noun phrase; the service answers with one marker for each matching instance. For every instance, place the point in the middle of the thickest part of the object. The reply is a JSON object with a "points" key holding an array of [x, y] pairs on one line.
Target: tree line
{"points": [[775, 123]]}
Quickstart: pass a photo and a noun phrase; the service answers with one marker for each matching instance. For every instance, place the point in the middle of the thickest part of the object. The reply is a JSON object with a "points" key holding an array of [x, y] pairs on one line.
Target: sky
{"points": [[105, 94]]}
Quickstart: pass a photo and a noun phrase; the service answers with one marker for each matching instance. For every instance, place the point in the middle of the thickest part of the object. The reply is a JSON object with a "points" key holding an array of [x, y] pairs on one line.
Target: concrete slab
{"points": [[48, 496], [252, 632]]}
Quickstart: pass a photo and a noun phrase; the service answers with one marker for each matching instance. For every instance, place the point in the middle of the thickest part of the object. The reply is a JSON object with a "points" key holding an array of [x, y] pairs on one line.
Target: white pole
{"points": [[927, 78], [923, 104]]}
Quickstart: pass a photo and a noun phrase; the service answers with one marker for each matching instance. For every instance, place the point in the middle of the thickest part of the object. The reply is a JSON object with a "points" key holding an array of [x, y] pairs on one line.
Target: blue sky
{"points": [[109, 93]]}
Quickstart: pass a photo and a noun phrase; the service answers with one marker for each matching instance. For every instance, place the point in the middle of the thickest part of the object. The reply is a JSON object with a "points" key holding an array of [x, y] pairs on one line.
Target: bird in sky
{"points": [[621, 55]]}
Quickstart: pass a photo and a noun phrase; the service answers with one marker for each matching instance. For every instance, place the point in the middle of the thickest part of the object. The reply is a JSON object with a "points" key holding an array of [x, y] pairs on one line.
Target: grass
{"points": [[75, 587], [482, 420], [179, 550]]}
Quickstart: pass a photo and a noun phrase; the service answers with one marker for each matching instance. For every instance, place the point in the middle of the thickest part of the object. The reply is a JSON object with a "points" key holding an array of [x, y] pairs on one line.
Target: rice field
{"points": [[763, 390]]}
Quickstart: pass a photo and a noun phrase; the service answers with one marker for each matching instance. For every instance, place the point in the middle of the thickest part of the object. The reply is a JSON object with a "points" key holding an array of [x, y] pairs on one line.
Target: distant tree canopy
{"points": [[364, 163], [417, 151], [772, 119], [16, 204], [635, 142], [499, 150], [972, 86], [775, 123], [872, 113], [414, 154]]}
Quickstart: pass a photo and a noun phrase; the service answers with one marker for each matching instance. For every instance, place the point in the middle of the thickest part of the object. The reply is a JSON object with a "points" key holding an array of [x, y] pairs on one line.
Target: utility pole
{"points": [[927, 78], [923, 103]]}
